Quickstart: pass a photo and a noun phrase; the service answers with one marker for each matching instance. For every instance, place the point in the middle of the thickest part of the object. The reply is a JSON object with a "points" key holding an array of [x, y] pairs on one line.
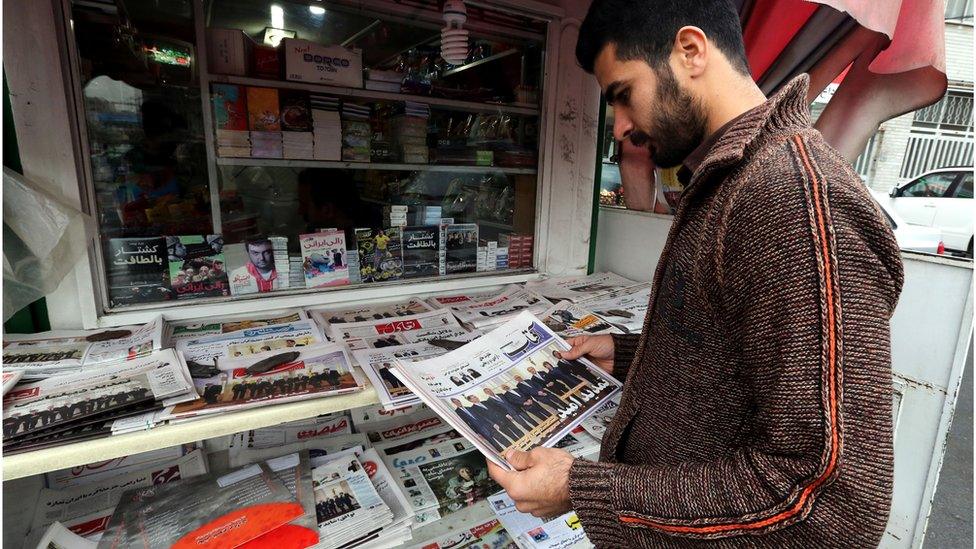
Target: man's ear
{"points": [[690, 52]]}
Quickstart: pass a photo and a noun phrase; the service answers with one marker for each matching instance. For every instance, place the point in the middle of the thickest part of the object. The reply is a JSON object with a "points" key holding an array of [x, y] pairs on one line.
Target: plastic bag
{"points": [[43, 238]]}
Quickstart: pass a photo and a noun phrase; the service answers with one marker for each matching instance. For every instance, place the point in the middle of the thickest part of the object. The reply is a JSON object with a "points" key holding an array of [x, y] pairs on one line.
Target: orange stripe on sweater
{"points": [[832, 391]]}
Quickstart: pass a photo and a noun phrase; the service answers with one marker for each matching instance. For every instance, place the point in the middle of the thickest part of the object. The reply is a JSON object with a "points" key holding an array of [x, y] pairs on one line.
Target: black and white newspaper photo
{"points": [[509, 389], [389, 332]]}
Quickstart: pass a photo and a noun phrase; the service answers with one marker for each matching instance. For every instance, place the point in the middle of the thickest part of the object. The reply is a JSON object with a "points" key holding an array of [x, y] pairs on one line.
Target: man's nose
{"points": [[622, 126]]}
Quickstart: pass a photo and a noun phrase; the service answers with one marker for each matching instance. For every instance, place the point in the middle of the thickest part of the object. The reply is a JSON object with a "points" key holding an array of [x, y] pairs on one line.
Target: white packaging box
{"points": [[227, 51], [310, 62]]}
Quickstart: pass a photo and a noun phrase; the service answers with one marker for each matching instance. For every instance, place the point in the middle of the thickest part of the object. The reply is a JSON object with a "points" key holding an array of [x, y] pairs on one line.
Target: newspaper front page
{"points": [[205, 351], [567, 319], [561, 532], [495, 309], [377, 364], [418, 328], [372, 311], [624, 308], [576, 288], [195, 329], [509, 388]]}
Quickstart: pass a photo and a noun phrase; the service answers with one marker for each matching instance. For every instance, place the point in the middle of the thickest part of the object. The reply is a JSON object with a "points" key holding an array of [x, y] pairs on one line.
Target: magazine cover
{"points": [[570, 320], [421, 251], [498, 308], [380, 254], [194, 329], [275, 377], [576, 288], [296, 112], [624, 308], [217, 510], [196, 266], [229, 107], [252, 267], [518, 393], [461, 241], [324, 258], [372, 311], [138, 270]]}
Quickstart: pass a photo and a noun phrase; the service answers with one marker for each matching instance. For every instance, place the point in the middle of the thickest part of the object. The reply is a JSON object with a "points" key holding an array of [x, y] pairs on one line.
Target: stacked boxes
{"points": [[326, 127], [501, 258], [296, 272], [519, 248], [388, 81], [227, 51], [396, 214], [408, 133], [490, 255], [282, 265], [427, 215]]}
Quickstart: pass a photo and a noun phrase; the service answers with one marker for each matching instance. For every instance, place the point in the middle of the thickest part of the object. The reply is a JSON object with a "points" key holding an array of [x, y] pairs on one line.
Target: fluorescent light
{"points": [[316, 10], [277, 16]]}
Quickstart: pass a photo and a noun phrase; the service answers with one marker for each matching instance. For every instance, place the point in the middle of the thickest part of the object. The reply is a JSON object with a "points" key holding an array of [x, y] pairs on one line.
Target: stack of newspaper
{"points": [[113, 399], [483, 311], [625, 307], [579, 288]]}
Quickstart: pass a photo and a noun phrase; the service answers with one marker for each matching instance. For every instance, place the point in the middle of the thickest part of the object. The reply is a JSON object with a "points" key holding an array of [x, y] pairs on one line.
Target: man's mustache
{"points": [[639, 138]]}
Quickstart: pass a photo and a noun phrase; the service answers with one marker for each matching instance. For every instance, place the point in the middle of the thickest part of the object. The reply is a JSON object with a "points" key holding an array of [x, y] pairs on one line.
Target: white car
{"points": [[942, 199], [910, 237]]}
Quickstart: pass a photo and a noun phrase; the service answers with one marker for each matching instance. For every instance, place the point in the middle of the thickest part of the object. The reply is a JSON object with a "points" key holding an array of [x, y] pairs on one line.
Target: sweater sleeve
{"points": [[624, 349], [778, 293]]}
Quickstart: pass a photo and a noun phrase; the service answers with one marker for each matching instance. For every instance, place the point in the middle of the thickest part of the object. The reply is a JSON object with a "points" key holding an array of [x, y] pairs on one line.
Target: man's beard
{"points": [[677, 125]]}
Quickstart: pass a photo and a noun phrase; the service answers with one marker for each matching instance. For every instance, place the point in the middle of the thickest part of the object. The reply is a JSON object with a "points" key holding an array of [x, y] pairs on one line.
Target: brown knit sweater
{"points": [[757, 406]]}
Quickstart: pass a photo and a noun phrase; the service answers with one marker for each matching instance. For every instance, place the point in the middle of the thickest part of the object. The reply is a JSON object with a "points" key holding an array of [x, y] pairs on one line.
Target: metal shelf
{"points": [[290, 163], [71, 455], [373, 94], [480, 62]]}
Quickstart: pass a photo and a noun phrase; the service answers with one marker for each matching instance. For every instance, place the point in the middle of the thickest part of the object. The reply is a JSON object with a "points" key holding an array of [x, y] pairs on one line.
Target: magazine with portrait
{"points": [[252, 267], [461, 248], [137, 270], [380, 254], [624, 308], [324, 258], [225, 509], [421, 251], [196, 266], [366, 313], [499, 307], [194, 329], [509, 389], [571, 320], [576, 288], [288, 375]]}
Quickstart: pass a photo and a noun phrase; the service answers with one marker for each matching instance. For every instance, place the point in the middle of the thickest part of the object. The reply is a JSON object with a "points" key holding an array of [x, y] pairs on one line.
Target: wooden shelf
{"points": [[289, 163], [373, 94], [71, 455]]}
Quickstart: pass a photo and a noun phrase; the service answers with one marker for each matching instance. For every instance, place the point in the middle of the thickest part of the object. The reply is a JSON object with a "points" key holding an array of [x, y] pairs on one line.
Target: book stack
{"points": [[408, 133], [388, 81], [397, 214], [296, 124], [356, 133], [282, 265], [264, 121], [296, 274], [427, 215], [326, 127], [230, 120]]}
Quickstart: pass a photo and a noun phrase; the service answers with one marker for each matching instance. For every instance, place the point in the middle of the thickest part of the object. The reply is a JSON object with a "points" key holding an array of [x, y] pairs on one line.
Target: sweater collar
{"points": [[785, 111]]}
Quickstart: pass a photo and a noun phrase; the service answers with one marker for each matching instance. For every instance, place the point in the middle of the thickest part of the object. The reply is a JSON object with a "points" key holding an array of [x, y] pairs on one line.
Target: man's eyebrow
{"points": [[612, 89]]}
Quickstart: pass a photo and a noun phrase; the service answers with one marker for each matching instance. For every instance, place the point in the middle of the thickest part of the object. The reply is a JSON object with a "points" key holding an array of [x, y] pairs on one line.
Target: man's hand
{"points": [[598, 349], [540, 483]]}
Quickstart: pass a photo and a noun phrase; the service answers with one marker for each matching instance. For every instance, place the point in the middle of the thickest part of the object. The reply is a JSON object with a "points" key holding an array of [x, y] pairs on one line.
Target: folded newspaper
{"points": [[530, 532], [494, 309], [576, 288], [202, 353], [195, 329], [509, 389], [372, 311], [43, 357], [388, 332], [625, 308], [273, 378], [58, 408], [570, 320]]}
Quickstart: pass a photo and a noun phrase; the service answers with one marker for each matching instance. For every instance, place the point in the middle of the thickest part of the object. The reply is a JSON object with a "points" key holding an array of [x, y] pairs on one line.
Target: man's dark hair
{"points": [[257, 242], [645, 29]]}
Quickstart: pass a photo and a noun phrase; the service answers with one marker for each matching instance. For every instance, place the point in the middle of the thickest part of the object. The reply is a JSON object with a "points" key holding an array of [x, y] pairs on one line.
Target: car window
{"points": [[965, 187], [929, 186]]}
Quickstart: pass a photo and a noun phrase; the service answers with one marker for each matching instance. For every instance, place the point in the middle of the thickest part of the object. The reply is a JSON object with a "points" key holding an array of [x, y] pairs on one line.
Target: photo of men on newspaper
{"points": [[523, 394], [335, 502]]}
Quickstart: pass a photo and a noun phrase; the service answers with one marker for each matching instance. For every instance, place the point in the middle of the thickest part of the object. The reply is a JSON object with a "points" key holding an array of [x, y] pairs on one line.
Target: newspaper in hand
{"points": [[510, 389], [624, 308], [274, 378], [570, 320], [576, 288]]}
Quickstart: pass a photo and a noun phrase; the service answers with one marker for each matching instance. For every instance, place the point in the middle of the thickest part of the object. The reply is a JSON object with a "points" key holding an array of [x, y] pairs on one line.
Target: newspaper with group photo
{"points": [[624, 308], [577, 288], [274, 377], [388, 332], [496, 309], [347, 505], [195, 329], [39, 358], [202, 353], [70, 400], [509, 389]]}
